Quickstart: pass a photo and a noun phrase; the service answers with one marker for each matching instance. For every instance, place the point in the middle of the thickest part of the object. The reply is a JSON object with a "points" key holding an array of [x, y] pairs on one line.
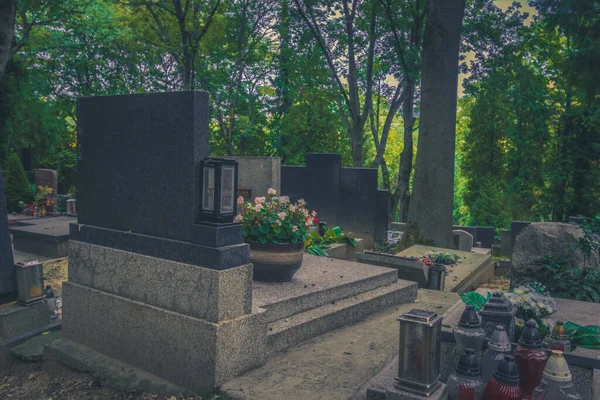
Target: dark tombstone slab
{"points": [[515, 228], [382, 218], [485, 235], [322, 185], [137, 161], [358, 190], [138, 178], [8, 286]]}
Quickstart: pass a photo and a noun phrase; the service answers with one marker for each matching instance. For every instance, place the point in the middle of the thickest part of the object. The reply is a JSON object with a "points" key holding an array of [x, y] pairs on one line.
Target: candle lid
{"points": [[559, 331], [469, 318], [507, 372], [468, 365], [530, 337], [557, 368], [499, 340]]}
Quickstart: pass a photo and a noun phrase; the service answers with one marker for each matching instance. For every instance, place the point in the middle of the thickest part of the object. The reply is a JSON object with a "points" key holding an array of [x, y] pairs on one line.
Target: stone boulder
{"points": [[542, 239]]}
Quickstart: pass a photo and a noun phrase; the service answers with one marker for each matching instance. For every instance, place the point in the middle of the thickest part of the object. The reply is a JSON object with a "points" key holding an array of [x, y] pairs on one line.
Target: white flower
{"points": [[282, 215], [519, 322], [238, 218], [271, 192], [301, 202], [292, 208]]}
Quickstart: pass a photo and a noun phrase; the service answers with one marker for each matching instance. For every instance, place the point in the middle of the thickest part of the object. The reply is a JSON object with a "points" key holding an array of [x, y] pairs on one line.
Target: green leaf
{"points": [[584, 336], [317, 251], [262, 239], [264, 228], [316, 236], [475, 299], [337, 231]]}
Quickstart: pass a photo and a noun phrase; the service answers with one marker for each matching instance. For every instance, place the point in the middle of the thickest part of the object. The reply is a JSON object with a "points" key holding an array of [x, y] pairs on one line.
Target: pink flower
{"points": [[271, 192], [292, 208], [258, 207], [314, 213], [282, 215], [294, 228], [240, 200], [260, 200], [305, 212], [238, 218], [283, 199], [309, 222], [278, 222], [301, 202]]}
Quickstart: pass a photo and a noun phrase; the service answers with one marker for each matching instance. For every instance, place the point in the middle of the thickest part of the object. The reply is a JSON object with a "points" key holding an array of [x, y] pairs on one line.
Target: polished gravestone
{"points": [[148, 285]]}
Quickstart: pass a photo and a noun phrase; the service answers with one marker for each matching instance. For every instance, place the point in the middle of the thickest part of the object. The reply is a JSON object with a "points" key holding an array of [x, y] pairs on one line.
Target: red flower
{"points": [[315, 220]]}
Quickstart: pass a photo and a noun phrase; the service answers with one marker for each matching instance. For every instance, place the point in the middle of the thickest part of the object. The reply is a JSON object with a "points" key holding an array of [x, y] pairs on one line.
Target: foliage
{"points": [[439, 257], [317, 244], [533, 302], [590, 242], [475, 299], [17, 188], [273, 219], [583, 336], [571, 283], [43, 193], [389, 246]]}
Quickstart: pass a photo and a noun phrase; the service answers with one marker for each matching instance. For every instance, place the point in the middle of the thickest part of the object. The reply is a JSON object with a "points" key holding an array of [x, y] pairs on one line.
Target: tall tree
{"points": [[346, 34], [430, 212], [179, 26], [7, 30]]}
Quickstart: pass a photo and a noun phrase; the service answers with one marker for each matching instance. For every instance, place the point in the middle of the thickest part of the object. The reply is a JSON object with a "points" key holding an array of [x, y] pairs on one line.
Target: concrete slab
{"points": [[343, 251], [471, 270], [33, 349], [336, 365], [16, 319], [118, 374], [319, 281]]}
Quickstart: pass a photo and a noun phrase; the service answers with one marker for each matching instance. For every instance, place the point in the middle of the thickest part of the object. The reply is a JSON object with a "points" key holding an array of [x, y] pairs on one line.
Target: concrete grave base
{"points": [[343, 251], [16, 319], [408, 269], [188, 351]]}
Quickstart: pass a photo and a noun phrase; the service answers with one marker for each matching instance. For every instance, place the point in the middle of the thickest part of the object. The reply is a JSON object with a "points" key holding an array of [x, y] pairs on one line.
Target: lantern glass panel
{"points": [[227, 189], [208, 189]]}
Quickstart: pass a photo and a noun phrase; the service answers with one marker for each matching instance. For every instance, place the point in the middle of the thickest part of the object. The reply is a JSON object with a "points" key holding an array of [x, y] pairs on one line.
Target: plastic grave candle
{"points": [[498, 311], [419, 356], [531, 359], [498, 347], [504, 385], [465, 383], [468, 333], [557, 381], [559, 339]]}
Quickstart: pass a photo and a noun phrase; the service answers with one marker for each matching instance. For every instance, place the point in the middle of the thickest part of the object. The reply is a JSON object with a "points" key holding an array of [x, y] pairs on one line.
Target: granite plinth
{"points": [[471, 270], [193, 353], [139, 161], [343, 251], [408, 269], [48, 240], [16, 319], [203, 293], [174, 250], [259, 174], [319, 281], [216, 235], [8, 283]]}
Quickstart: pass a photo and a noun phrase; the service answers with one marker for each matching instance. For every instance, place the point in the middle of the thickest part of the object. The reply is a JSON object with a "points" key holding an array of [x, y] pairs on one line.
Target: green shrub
{"points": [[17, 187]]}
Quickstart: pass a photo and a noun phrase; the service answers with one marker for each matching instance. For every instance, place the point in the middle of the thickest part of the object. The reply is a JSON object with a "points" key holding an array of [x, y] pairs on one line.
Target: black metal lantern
{"points": [[218, 189], [498, 311], [436, 277]]}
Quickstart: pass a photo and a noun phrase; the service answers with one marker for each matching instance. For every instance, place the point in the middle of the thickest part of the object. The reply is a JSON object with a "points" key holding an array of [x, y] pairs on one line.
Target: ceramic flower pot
{"points": [[276, 262]]}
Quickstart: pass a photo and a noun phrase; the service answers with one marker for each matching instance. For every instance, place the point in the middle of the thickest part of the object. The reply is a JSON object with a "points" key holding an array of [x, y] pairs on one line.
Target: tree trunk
{"points": [[187, 70], [357, 144], [7, 30], [431, 204], [402, 193]]}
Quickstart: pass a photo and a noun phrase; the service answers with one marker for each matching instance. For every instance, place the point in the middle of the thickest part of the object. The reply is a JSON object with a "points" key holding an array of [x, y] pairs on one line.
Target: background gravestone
{"points": [[7, 265]]}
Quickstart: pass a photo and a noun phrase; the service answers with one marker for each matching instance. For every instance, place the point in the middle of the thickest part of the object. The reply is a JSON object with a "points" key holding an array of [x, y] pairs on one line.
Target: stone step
{"points": [[290, 331], [320, 281]]}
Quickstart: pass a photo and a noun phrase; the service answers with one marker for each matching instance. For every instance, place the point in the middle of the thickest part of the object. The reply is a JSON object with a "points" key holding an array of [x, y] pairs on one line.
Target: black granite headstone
{"points": [[137, 161], [138, 179], [485, 235], [8, 286]]}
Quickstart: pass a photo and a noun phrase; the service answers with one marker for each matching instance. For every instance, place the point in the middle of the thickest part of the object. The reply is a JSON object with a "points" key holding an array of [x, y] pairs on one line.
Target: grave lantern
{"points": [[30, 282], [436, 277], [219, 189], [419, 357], [498, 311]]}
